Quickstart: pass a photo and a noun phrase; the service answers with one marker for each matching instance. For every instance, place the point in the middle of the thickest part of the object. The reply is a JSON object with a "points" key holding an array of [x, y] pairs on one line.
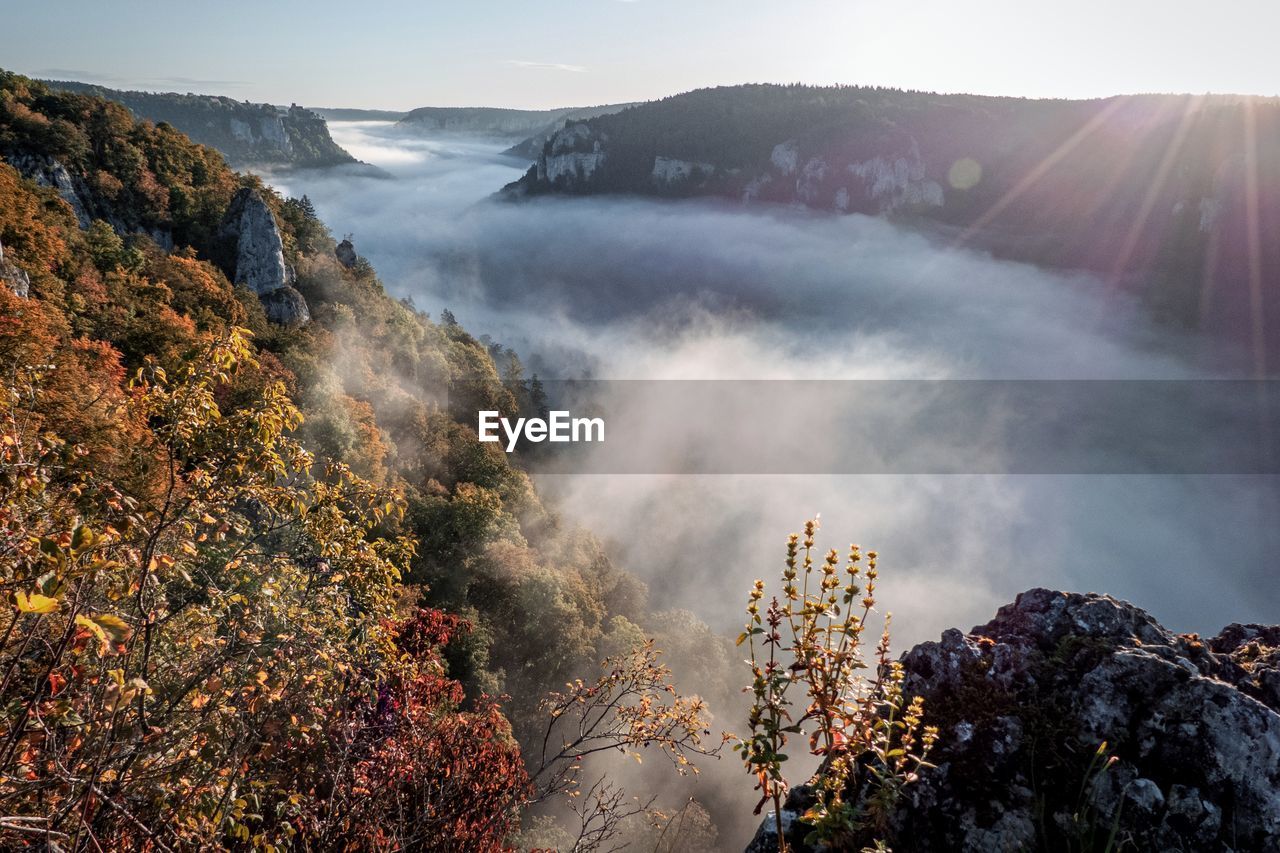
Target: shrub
{"points": [[812, 640]]}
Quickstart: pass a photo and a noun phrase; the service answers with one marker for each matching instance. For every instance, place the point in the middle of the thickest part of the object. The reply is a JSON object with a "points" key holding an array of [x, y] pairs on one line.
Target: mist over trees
{"points": [[265, 588]]}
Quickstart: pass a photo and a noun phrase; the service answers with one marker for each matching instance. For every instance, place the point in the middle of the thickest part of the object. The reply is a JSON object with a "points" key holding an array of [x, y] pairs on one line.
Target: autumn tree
{"points": [[170, 651]]}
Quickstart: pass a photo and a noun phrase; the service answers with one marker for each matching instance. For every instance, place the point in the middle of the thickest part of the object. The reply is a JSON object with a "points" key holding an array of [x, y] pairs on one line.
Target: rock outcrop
{"points": [[13, 276], [670, 172], [571, 156], [345, 252], [534, 126], [1025, 703], [286, 306], [50, 172], [259, 251], [254, 255]]}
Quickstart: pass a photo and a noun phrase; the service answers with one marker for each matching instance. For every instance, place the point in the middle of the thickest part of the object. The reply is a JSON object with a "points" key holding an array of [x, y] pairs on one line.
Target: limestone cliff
{"points": [[247, 134], [255, 253], [1025, 703], [50, 172], [1158, 194], [533, 127]]}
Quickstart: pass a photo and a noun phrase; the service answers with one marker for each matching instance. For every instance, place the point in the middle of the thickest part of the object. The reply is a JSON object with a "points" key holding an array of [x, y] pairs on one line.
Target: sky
{"points": [[400, 54]]}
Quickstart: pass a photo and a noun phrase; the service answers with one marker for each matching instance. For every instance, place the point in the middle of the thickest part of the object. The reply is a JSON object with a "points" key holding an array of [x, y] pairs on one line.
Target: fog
{"points": [[635, 289]]}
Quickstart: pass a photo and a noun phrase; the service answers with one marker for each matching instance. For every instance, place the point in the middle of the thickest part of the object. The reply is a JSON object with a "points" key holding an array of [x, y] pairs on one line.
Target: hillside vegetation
{"points": [[262, 581], [246, 133], [1168, 195]]}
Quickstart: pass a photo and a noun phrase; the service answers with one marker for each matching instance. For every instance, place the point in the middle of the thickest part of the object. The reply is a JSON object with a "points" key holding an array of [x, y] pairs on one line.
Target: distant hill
{"points": [[346, 114], [247, 134], [533, 127], [1169, 194]]}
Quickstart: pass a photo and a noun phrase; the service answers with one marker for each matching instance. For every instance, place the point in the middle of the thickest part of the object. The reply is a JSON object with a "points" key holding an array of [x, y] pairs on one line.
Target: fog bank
{"points": [[626, 288]]}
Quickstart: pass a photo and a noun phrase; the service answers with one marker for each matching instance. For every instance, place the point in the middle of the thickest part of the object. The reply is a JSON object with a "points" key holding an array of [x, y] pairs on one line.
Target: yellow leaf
{"points": [[94, 628], [35, 603], [115, 627]]}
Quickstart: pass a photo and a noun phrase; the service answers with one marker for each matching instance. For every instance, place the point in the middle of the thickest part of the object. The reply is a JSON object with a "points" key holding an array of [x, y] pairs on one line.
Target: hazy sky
{"points": [[406, 53]]}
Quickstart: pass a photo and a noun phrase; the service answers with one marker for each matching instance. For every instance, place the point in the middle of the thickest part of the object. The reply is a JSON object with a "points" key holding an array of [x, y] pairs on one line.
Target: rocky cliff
{"points": [[247, 134], [532, 127], [1077, 722], [87, 205], [1169, 196], [255, 250]]}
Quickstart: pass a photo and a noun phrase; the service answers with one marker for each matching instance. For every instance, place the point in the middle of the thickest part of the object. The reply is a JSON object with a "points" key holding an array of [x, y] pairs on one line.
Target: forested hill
{"points": [[1168, 191], [498, 121], [348, 114], [532, 127], [260, 576], [247, 134]]}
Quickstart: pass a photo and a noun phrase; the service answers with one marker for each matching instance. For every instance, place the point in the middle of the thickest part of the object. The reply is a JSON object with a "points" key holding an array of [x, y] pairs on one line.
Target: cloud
{"points": [[547, 66], [197, 81], [116, 81]]}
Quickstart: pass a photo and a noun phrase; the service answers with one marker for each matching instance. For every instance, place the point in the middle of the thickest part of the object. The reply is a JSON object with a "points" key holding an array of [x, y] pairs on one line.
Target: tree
{"points": [[631, 708], [171, 650], [538, 402]]}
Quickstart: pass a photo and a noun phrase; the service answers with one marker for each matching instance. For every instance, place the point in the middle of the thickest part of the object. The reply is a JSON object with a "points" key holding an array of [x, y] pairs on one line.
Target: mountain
{"points": [[246, 133], [534, 126], [1077, 722], [1167, 194]]}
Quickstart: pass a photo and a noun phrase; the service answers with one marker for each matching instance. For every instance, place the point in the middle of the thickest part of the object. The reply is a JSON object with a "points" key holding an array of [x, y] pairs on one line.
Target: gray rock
{"points": [[84, 202], [13, 276], [346, 253], [286, 306], [254, 256], [1023, 703], [766, 837], [259, 251], [49, 172]]}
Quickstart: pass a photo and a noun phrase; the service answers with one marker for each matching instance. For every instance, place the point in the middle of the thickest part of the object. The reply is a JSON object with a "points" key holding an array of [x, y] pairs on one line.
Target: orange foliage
{"points": [[84, 399], [31, 220]]}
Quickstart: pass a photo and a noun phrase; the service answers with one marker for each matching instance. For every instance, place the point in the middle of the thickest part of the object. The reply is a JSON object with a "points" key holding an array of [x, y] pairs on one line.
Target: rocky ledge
{"points": [[1077, 722]]}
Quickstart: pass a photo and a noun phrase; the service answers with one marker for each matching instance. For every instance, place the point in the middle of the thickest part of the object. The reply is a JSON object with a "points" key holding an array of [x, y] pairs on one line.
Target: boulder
{"points": [[286, 306], [346, 253], [1024, 704]]}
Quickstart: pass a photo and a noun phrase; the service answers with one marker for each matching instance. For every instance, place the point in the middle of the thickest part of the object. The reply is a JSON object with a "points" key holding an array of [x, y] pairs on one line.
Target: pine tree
{"points": [[538, 398]]}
